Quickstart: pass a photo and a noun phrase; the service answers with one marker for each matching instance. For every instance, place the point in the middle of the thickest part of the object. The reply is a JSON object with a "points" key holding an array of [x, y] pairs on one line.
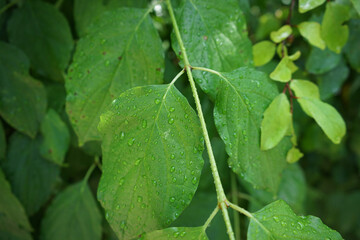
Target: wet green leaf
{"points": [[281, 34], [122, 50], [281, 223], [14, 224], [72, 215], [333, 31], [311, 31], [215, 36], [156, 145], [23, 99], [307, 5], [243, 97], [321, 61], [31, 176], [263, 52], [294, 155], [43, 33], [56, 138], [194, 233], [282, 72], [277, 119]]}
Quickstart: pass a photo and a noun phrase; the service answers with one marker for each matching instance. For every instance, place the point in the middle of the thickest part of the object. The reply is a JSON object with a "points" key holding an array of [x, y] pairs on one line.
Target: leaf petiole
{"points": [[211, 217]]}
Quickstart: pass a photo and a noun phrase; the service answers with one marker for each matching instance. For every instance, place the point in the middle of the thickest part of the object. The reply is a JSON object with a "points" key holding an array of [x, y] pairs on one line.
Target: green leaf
{"points": [[43, 33], [263, 52], [186, 233], [243, 97], [23, 99], [295, 56], [307, 5], [356, 4], [282, 72], [152, 141], [305, 88], [215, 36], [267, 23], [13, 220], [2, 142], [56, 138], [31, 176], [122, 50], [277, 119], [281, 223], [72, 215], [311, 31], [334, 33], [321, 61], [324, 114], [294, 155], [352, 49], [281, 34]]}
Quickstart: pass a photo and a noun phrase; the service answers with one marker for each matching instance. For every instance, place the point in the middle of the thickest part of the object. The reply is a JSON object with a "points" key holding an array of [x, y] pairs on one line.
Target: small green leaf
{"points": [[333, 31], [281, 34], [215, 36], [31, 176], [263, 52], [111, 59], [307, 5], [22, 98], [281, 223], [311, 31], [242, 99], [294, 155], [295, 56], [75, 205], [267, 23], [43, 33], [305, 88], [282, 72], [56, 138], [186, 233], [2, 142], [14, 223], [277, 119], [321, 61], [151, 141]]}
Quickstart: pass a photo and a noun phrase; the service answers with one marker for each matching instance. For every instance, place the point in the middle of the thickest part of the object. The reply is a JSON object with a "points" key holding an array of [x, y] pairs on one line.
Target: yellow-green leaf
{"points": [[281, 34], [311, 31], [282, 72], [307, 5], [263, 52], [294, 155]]}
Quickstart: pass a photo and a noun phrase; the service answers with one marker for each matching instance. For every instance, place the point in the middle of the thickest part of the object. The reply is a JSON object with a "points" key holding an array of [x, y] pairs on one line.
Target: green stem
{"points": [[87, 175], [219, 189], [7, 6], [98, 163], [212, 215], [234, 199]]}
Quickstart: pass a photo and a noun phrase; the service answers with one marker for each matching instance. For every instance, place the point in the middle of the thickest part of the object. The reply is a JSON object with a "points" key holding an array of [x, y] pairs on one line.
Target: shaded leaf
{"points": [[307, 5], [43, 33], [352, 49], [321, 61], [243, 97], [281, 223], [194, 233], [122, 50], [311, 31], [281, 34], [73, 215], [277, 119], [2, 142], [215, 37], [22, 98], [31, 176], [263, 52], [152, 147], [56, 138], [14, 224]]}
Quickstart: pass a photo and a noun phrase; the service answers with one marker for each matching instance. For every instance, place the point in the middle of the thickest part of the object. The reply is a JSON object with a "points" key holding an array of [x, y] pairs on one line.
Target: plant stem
{"points": [[88, 173], [222, 201], [7, 6], [234, 199], [212, 215]]}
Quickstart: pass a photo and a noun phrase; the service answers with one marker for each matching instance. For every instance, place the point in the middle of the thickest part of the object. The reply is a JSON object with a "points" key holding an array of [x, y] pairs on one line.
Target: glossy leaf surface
{"points": [[215, 37], [122, 50], [72, 215], [307, 5], [282, 223], [152, 159], [43, 33], [311, 31], [186, 233], [263, 52], [243, 97], [14, 223], [23, 99], [281, 34]]}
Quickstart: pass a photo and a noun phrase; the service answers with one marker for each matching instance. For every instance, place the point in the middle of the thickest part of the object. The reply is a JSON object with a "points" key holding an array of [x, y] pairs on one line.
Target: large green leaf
{"points": [[2, 142], [122, 50], [334, 33], [215, 36], [14, 224], [321, 61], [307, 5], [242, 99], [22, 98], [43, 33], [281, 223], [73, 215], [352, 49], [152, 146], [31, 176], [56, 138], [186, 233]]}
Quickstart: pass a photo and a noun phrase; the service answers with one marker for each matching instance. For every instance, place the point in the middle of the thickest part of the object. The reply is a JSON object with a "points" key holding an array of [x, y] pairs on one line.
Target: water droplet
{"points": [[176, 234], [194, 180], [172, 199], [171, 121], [139, 199], [276, 219], [107, 63], [172, 156], [122, 135], [117, 207], [172, 169], [186, 116], [143, 205], [131, 141], [157, 101], [126, 122], [182, 234], [103, 41], [174, 180], [144, 123], [137, 162], [172, 109], [121, 181], [123, 224]]}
